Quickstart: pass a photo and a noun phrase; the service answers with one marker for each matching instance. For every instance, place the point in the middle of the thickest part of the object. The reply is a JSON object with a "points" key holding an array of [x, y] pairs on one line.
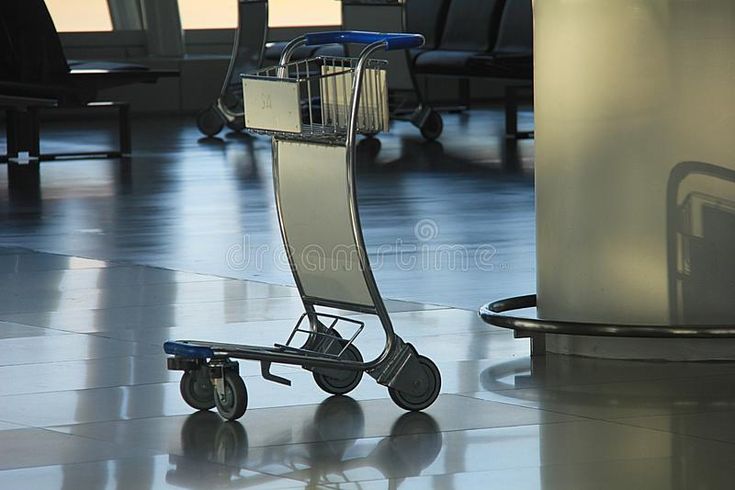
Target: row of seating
{"points": [[464, 39], [474, 38], [477, 39]]}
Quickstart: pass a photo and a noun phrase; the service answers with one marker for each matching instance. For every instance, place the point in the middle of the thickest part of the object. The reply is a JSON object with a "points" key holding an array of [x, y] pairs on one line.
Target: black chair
{"points": [[487, 39], [426, 17], [470, 28], [511, 59], [512, 55], [33, 65]]}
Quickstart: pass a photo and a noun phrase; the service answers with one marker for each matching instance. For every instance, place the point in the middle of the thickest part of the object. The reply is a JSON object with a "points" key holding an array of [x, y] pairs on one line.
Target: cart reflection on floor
{"points": [[327, 456]]}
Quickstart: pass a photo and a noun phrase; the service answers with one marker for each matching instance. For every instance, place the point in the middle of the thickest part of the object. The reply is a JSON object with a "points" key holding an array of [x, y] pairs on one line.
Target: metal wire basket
{"points": [[312, 98]]}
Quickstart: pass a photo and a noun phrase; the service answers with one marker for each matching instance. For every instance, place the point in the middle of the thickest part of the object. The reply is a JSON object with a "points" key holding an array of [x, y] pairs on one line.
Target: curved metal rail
{"points": [[493, 314]]}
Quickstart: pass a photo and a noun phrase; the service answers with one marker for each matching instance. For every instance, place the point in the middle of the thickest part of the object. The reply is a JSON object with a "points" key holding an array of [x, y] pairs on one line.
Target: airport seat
{"points": [[512, 55], [487, 39], [426, 17], [33, 64], [471, 28]]}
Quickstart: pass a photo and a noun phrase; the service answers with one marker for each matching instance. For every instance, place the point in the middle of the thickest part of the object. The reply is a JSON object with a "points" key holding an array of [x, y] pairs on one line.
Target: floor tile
{"points": [[71, 347], [9, 426], [25, 262], [139, 295], [23, 448], [651, 474], [74, 279], [138, 473], [84, 374], [621, 400], [429, 453], [16, 331], [76, 406], [714, 425], [334, 419]]}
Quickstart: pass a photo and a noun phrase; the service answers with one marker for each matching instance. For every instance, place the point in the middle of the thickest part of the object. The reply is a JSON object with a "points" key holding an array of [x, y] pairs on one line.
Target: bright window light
{"points": [[222, 14], [296, 13], [208, 14], [80, 15]]}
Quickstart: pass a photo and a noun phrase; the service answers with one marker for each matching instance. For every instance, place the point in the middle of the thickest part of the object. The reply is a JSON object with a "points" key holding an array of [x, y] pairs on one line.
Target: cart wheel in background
{"points": [[232, 403], [237, 124], [432, 127], [432, 384], [197, 390], [209, 122], [341, 382], [369, 147]]}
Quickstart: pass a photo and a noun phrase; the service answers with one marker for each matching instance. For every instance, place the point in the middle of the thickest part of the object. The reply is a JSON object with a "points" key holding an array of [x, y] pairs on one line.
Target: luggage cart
{"points": [[408, 99], [314, 109], [247, 52]]}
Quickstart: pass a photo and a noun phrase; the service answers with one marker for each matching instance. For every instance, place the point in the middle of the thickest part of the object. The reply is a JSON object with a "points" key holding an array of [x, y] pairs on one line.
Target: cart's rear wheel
{"points": [[432, 127], [369, 147], [341, 382], [430, 386], [197, 390], [209, 122], [233, 401], [237, 124]]}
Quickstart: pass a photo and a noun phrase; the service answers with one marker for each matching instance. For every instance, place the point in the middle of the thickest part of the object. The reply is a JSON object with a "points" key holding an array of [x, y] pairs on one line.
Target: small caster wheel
{"points": [[233, 400], [197, 390], [369, 147], [338, 382], [237, 124], [209, 122], [431, 384], [432, 127]]}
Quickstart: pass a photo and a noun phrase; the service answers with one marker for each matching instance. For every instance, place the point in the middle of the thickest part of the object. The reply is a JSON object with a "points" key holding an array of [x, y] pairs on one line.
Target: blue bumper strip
{"points": [[184, 349]]}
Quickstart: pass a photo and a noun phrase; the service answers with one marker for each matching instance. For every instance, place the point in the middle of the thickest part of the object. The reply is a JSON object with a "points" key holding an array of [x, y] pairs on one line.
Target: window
{"points": [[208, 14], [80, 15], [222, 14], [295, 13]]}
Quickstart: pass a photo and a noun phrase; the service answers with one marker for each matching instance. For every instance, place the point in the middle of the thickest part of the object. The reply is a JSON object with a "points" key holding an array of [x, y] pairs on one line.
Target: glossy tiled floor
{"points": [[86, 401]]}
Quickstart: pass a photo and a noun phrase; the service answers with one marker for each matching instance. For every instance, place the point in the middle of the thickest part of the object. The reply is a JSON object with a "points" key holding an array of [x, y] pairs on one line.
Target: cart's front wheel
{"points": [[341, 382], [209, 122], [430, 386], [197, 390], [233, 400], [432, 127]]}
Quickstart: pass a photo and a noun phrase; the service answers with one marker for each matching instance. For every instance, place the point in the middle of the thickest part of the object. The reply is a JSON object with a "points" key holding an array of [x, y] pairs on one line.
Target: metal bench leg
{"points": [[123, 116], [511, 113], [23, 148], [464, 94]]}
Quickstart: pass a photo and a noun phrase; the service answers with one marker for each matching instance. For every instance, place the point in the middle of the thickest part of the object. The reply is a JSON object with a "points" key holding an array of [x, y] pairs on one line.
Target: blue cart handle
{"points": [[392, 40]]}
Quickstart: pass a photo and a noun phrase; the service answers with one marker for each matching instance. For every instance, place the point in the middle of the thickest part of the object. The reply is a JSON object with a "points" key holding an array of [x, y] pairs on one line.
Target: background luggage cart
{"points": [[314, 153], [407, 101], [247, 52]]}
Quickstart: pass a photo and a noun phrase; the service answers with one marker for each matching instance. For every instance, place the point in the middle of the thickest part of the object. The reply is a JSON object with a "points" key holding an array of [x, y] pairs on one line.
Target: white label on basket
{"points": [[271, 105]]}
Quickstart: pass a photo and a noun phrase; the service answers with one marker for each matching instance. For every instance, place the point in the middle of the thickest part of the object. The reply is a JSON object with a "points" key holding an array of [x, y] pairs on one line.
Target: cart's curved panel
{"points": [[314, 204]]}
